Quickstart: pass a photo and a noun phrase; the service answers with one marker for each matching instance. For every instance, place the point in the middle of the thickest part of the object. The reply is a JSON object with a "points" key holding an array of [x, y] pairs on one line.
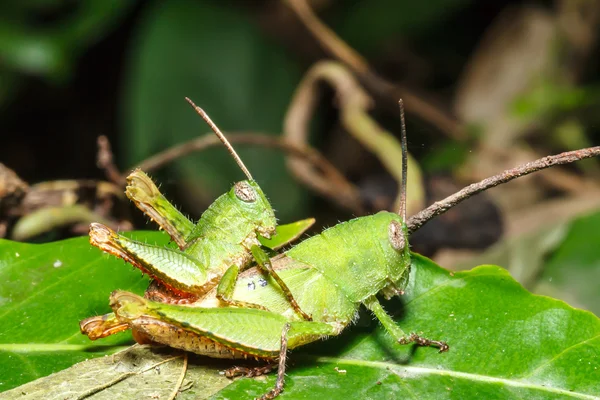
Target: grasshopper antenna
{"points": [[221, 137], [402, 210]]}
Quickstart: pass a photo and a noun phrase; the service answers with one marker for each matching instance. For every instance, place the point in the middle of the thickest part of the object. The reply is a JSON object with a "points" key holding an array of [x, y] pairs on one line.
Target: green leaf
{"points": [[45, 290], [504, 343], [218, 58], [287, 233]]}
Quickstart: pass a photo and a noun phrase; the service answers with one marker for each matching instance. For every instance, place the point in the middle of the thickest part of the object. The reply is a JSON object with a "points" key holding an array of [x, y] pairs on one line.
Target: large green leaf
{"points": [[220, 59], [505, 342], [44, 291]]}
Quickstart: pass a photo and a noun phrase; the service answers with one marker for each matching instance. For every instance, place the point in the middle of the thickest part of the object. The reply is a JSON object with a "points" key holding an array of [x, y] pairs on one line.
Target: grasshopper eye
{"points": [[396, 236], [244, 192]]}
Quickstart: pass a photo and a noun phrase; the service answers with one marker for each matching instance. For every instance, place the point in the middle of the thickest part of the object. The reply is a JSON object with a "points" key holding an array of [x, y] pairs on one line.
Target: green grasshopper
{"points": [[220, 241], [329, 276]]}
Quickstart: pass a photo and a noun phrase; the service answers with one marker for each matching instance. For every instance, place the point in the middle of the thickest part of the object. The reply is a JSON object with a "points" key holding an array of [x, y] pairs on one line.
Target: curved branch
{"points": [[335, 178]]}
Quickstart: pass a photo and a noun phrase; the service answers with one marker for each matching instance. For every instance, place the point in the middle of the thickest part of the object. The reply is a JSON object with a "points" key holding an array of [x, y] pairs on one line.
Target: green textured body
{"points": [[329, 275], [226, 231], [260, 335], [221, 238], [310, 292]]}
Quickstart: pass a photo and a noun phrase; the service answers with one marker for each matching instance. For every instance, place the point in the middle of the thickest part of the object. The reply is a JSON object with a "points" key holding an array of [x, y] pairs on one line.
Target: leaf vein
{"points": [[414, 371]]}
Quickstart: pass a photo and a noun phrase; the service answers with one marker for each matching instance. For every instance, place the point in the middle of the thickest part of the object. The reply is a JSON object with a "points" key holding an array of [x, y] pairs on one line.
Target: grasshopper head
{"points": [[253, 204]]}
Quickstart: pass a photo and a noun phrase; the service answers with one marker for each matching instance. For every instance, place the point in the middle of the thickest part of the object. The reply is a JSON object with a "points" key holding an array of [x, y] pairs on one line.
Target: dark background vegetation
{"points": [[71, 71]]}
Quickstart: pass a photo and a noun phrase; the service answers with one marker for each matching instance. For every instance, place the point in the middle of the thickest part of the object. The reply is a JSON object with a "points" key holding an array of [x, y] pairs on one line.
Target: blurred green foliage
{"points": [[367, 26], [44, 38]]}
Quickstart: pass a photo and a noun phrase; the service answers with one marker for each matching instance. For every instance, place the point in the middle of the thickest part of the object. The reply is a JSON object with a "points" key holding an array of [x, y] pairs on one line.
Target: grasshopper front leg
{"points": [[226, 288], [388, 323], [262, 259], [146, 196]]}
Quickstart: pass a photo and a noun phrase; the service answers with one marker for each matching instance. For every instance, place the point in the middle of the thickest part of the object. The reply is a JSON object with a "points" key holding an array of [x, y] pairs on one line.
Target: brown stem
{"points": [[339, 49], [106, 161], [439, 207], [310, 155], [331, 42]]}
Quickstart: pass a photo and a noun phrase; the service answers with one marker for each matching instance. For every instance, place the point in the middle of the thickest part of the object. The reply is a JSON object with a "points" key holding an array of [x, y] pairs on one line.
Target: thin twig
{"points": [[106, 161], [339, 49], [179, 382], [437, 208], [328, 39], [333, 176]]}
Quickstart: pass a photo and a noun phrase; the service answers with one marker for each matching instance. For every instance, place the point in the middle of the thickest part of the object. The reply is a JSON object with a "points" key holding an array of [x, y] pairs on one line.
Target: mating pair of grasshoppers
{"points": [[204, 300]]}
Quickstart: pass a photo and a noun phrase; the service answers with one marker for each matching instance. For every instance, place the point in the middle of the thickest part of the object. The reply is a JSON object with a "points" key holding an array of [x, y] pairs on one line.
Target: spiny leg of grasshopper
{"points": [[276, 391], [274, 332], [146, 196], [257, 371], [157, 291], [388, 323], [262, 259]]}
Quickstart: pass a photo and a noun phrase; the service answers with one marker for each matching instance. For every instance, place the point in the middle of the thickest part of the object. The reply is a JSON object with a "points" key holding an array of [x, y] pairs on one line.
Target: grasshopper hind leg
{"points": [[247, 372], [263, 261], [262, 370]]}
